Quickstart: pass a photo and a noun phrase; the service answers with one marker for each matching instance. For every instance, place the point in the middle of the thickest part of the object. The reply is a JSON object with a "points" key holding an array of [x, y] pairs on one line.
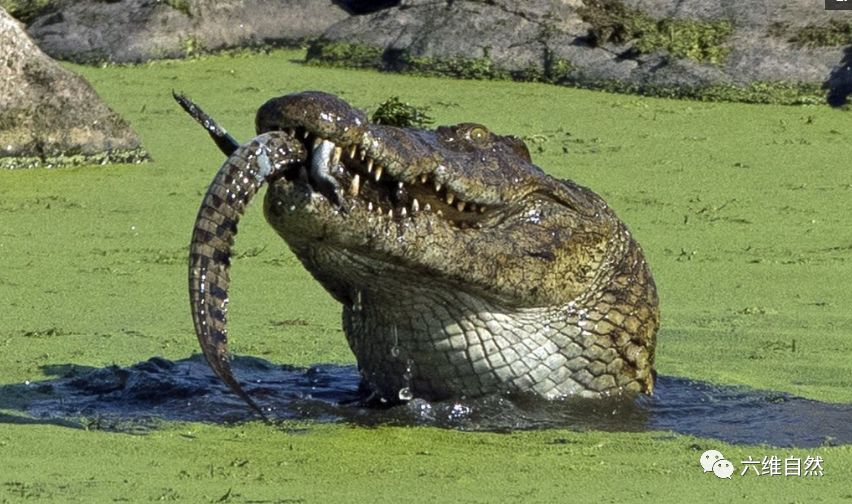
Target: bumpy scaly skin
{"points": [[213, 237], [463, 269]]}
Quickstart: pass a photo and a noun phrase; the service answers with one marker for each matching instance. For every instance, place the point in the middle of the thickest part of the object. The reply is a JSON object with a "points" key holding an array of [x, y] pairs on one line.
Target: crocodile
{"points": [[462, 268]]}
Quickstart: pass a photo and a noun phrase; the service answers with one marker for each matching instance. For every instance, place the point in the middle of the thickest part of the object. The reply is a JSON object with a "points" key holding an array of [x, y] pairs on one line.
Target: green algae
{"points": [[614, 22], [319, 464], [394, 112], [558, 71], [26, 10], [741, 209], [831, 34], [127, 156]]}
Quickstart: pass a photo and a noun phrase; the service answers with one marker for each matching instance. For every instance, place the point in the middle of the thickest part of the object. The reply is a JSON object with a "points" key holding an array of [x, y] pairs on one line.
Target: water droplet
{"points": [[459, 411], [405, 394], [395, 351], [534, 216]]}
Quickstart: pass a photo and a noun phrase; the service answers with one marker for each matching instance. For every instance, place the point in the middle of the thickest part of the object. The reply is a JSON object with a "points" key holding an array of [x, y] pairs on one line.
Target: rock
{"points": [[50, 116], [735, 49], [726, 49], [130, 31]]}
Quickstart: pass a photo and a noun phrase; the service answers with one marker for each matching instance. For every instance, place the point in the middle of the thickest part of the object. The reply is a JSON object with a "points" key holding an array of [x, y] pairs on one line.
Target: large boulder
{"points": [[759, 50], [130, 31], [50, 116]]}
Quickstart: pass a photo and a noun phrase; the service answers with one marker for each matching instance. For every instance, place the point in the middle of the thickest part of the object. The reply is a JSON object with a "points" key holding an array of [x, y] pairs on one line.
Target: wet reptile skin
{"points": [[463, 269]]}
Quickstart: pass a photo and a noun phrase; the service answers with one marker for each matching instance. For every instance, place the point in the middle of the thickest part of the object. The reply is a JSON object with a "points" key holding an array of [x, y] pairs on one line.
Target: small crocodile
{"points": [[463, 268]]}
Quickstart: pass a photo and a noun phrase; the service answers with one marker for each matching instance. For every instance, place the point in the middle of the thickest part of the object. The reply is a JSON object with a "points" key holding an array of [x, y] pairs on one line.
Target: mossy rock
{"points": [[50, 116], [613, 22], [26, 10]]}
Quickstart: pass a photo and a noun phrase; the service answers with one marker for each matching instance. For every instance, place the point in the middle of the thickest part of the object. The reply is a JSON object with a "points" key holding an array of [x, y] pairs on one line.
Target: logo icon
{"points": [[713, 461], [723, 469]]}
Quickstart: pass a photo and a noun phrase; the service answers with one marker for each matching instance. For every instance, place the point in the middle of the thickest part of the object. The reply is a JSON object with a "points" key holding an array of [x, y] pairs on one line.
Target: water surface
{"points": [[136, 397]]}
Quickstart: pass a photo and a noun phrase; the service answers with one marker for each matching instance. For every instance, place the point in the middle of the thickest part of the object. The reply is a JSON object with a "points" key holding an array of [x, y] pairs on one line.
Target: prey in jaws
{"points": [[462, 268]]}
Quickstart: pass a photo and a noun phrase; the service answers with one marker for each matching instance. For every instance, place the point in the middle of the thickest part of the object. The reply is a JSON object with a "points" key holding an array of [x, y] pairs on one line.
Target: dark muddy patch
{"points": [[136, 398]]}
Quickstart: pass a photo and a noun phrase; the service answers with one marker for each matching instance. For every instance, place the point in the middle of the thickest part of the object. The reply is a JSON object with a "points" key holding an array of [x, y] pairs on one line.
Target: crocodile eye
{"points": [[478, 135]]}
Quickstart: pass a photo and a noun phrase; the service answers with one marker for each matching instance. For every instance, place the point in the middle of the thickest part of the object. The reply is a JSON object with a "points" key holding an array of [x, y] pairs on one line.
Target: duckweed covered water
{"points": [[742, 210]]}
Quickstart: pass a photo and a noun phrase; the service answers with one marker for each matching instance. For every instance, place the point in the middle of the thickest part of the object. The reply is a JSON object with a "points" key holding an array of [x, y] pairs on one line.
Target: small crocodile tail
{"points": [[231, 190], [226, 143]]}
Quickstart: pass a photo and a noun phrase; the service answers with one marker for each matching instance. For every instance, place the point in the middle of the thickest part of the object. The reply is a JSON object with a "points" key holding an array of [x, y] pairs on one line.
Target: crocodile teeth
{"points": [[335, 157], [305, 135], [352, 151], [355, 188], [450, 198], [424, 178], [403, 212], [437, 186], [427, 207], [363, 154], [378, 173], [400, 184], [481, 209], [321, 165], [415, 205], [460, 205], [440, 213], [370, 166], [369, 206], [390, 213]]}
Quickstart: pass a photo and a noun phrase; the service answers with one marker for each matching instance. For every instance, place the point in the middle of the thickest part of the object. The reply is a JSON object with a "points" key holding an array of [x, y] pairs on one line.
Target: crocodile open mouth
{"points": [[349, 177]]}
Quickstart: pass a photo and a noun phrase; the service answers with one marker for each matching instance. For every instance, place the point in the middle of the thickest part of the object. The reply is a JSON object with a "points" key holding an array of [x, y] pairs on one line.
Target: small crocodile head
{"points": [[463, 269], [385, 209]]}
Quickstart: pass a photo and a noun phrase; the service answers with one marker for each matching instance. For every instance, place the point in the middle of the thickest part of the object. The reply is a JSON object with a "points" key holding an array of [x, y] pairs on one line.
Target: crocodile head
{"points": [[463, 269]]}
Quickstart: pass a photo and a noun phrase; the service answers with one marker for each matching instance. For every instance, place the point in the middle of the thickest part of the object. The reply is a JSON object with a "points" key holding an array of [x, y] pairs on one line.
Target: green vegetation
{"points": [[612, 21], [835, 33], [394, 112], [115, 156], [342, 54], [192, 46], [770, 93], [741, 209], [458, 67], [323, 52], [180, 5], [560, 71], [25, 10]]}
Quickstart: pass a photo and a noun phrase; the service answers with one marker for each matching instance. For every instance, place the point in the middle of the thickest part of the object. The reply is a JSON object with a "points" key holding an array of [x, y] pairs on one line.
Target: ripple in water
{"points": [[136, 397]]}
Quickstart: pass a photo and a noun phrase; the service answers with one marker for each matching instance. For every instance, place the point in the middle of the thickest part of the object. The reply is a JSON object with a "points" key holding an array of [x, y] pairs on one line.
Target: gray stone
{"points": [[545, 39], [50, 116], [129, 31], [528, 35]]}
